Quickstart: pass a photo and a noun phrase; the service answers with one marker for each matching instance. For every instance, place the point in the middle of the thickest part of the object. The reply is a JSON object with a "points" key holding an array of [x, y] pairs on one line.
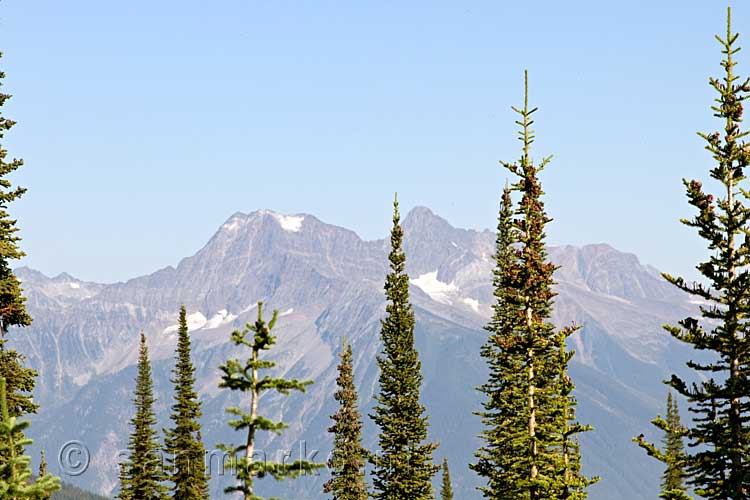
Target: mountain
{"points": [[72, 493], [327, 282]]}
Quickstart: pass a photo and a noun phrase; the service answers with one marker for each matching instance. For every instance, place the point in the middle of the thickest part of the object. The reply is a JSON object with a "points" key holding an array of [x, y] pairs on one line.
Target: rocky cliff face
{"points": [[327, 283]]}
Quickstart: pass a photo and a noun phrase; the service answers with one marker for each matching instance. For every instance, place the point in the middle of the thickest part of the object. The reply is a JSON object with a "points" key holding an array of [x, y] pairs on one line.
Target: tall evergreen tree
{"points": [[15, 468], [244, 376], [20, 380], [143, 474], [719, 436], [43, 471], [530, 446], [504, 412], [185, 451], [403, 467], [446, 491], [673, 455], [347, 462], [12, 302]]}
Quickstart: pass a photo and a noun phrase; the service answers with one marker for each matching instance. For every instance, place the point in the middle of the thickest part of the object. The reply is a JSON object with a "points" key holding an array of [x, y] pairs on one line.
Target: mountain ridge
{"points": [[327, 282]]}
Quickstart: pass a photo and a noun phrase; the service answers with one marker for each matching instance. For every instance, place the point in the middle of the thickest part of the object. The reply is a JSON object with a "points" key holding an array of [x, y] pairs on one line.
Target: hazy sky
{"points": [[146, 124]]}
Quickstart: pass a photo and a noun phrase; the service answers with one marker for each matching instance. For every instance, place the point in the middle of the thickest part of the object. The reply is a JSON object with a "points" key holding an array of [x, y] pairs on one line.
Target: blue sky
{"points": [[144, 125]]}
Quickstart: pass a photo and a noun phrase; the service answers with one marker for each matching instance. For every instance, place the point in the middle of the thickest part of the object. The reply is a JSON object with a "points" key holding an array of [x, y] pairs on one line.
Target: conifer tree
{"points": [[673, 455], [185, 451], [122, 476], [143, 474], [446, 492], [530, 446], [504, 410], [20, 380], [403, 467], [719, 436], [15, 468], [12, 302], [347, 462], [244, 376], [43, 471], [571, 483]]}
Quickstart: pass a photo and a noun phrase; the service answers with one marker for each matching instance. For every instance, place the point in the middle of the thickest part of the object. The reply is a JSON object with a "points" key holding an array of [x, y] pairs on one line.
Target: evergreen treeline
{"points": [[530, 441]]}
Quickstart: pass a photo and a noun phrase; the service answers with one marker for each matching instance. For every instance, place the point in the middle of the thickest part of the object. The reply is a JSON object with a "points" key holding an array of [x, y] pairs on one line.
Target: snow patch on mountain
{"points": [[473, 303], [290, 223], [74, 286], [232, 225], [436, 289], [195, 321], [222, 317]]}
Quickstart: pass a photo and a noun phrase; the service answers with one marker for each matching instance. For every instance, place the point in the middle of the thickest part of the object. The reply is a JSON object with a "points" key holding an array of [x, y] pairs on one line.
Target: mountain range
{"points": [[327, 284]]}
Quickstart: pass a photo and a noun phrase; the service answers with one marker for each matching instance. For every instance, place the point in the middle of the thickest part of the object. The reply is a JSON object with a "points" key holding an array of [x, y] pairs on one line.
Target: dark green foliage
{"points": [[142, 475], [504, 414], [15, 469], [244, 376], [530, 448], [12, 302], [347, 462], [673, 455], [185, 451], [719, 436], [403, 465], [571, 483], [20, 380], [446, 491]]}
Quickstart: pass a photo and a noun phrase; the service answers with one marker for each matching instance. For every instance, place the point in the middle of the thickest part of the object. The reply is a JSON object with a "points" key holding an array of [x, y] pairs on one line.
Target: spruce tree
{"points": [[571, 483], [244, 376], [347, 462], [20, 380], [446, 492], [674, 448], [143, 474], [122, 476], [15, 468], [403, 466], [673, 456], [719, 436], [530, 448], [43, 471], [504, 409], [12, 302], [185, 451]]}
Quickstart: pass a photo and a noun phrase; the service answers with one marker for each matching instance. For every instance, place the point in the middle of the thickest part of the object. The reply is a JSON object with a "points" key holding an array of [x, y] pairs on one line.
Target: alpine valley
{"points": [[327, 284]]}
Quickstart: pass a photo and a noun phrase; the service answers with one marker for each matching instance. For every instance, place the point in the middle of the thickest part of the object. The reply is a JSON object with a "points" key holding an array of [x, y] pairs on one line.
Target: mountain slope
{"points": [[327, 283]]}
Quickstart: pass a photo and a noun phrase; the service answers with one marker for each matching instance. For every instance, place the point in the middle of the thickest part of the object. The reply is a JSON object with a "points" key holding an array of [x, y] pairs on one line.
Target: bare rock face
{"points": [[327, 284]]}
